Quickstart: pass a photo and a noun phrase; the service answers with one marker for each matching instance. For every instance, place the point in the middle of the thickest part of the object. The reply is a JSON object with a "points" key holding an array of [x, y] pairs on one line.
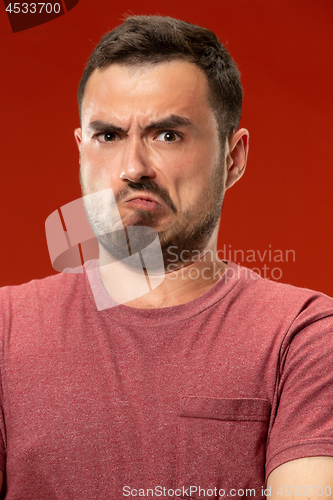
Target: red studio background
{"points": [[277, 219]]}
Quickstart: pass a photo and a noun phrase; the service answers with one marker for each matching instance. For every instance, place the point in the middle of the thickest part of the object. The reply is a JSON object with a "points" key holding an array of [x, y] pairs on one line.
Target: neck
{"points": [[134, 287]]}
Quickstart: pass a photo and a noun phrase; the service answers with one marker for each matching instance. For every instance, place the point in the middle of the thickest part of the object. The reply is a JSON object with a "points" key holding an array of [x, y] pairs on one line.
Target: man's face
{"points": [[150, 134]]}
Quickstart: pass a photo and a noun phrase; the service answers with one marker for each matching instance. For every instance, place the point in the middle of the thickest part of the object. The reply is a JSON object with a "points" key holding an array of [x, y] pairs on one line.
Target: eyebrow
{"points": [[171, 121]]}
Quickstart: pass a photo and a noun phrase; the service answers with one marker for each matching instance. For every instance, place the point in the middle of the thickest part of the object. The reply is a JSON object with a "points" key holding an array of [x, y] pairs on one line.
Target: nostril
{"points": [[123, 175]]}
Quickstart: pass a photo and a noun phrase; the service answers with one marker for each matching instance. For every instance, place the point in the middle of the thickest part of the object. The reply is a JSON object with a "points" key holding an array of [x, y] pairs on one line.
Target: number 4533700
{"points": [[304, 491], [33, 8]]}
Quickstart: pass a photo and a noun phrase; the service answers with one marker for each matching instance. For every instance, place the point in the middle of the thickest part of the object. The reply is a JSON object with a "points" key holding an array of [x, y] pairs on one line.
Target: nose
{"points": [[136, 165]]}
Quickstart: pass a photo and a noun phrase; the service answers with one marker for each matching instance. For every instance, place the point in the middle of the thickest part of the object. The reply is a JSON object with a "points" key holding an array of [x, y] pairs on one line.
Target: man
{"points": [[214, 384]]}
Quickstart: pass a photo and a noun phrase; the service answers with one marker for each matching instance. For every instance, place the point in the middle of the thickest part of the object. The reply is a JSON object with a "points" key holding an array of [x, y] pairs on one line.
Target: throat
{"points": [[181, 286]]}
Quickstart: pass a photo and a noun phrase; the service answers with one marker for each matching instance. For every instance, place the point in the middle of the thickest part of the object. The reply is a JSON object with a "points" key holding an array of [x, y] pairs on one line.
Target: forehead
{"points": [[147, 91]]}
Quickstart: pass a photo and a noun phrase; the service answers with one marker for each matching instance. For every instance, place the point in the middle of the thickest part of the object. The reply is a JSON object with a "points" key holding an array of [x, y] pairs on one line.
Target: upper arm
{"points": [[301, 419], [307, 478]]}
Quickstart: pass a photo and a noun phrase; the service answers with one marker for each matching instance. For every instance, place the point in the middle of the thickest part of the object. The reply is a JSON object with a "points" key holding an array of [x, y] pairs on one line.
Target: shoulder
{"points": [[39, 295], [277, 312], [280, 298]]}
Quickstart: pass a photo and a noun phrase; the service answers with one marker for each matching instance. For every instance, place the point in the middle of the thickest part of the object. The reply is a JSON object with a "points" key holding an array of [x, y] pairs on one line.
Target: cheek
{"points": [[195, 170], [190, 183], [91, 156], [96, 166]]}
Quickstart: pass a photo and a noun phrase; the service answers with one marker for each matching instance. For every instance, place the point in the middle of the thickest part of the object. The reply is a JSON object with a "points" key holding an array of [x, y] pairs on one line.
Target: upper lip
{"points": [[142, 196]]}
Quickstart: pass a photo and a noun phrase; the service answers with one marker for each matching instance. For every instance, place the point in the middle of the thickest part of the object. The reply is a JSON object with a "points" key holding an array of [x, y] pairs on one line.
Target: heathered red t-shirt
{"points": [[201, 399]]}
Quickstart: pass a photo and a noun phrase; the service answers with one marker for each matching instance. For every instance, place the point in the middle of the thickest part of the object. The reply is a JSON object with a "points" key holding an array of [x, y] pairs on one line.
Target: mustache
{"points": [[150, 187]]}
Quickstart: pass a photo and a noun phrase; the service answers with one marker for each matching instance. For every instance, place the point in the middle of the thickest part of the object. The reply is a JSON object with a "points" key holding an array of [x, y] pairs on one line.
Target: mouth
{"points": [[144, 201]]}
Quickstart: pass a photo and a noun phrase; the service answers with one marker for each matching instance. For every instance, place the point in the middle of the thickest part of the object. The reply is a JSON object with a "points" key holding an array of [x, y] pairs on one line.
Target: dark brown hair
{"points": [[156, 39]]}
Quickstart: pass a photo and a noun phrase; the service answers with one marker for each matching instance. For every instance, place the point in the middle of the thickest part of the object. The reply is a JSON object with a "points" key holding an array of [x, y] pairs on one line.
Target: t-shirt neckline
{"points": [[220, 289]]}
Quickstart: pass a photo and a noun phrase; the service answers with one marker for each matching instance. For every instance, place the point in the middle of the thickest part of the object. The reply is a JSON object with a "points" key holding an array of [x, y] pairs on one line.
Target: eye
{"points": [[168, 136], [107, 137]]}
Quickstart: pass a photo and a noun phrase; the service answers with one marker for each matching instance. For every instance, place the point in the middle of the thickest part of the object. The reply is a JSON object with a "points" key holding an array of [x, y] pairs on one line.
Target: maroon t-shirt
{"points": [[194, 401]]}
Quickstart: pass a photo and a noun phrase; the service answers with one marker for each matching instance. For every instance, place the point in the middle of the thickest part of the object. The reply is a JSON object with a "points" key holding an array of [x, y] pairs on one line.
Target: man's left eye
{"points": [[168, 137]]}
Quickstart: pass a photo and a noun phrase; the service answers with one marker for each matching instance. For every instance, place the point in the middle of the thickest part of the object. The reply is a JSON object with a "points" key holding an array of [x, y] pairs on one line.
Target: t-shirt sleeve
{"points": [[302, 411], [3, 328], [2, 443]]}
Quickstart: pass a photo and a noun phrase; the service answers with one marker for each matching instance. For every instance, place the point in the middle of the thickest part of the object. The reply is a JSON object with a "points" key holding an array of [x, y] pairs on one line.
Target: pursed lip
{"points": [[143, 196]]}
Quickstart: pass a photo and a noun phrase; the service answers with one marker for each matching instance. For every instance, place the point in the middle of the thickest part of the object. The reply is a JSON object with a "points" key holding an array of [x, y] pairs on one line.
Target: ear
{"points": [[236, 156], [78, 137]]}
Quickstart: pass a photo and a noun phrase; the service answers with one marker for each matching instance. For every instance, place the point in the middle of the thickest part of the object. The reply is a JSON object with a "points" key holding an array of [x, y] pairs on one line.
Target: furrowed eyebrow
{"points": [[171, 121], [98, 125]]}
